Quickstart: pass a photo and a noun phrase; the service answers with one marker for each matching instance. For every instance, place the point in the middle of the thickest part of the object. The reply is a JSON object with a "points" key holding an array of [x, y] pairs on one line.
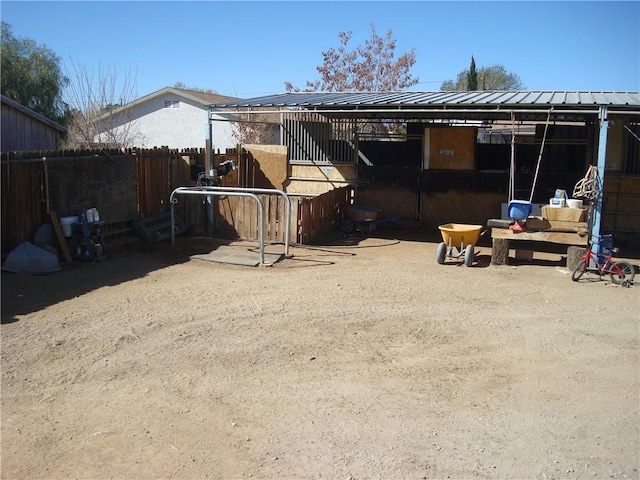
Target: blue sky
{"points": [[248, 49]]}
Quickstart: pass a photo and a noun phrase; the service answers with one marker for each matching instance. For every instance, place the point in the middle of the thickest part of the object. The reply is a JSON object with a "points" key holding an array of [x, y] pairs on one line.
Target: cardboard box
{"points": [[564, 214]]}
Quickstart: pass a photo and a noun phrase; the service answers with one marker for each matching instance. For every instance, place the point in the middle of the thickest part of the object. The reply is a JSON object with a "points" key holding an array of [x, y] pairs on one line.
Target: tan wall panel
{"points": [[317, 179], [454, 207], [615, 136], [394, 201], [302, 187], [450, 148], [271, 161], [327, 172]]}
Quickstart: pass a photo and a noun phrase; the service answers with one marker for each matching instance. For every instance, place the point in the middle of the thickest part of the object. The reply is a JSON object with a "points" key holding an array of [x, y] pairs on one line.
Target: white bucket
{"points": [[65, 224], [574, 203]]}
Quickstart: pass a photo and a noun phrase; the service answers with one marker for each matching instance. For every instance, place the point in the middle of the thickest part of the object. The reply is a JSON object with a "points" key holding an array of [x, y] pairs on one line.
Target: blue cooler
{"points": [[519, 209], [605, 244]]}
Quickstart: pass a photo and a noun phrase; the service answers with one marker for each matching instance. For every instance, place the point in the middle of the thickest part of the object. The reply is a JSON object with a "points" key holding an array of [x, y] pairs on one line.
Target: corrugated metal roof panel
{"points": [[355, 100]]}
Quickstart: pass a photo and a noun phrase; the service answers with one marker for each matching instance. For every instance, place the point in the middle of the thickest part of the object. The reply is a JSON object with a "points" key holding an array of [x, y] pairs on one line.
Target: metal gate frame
{"points": [[236, 192]]}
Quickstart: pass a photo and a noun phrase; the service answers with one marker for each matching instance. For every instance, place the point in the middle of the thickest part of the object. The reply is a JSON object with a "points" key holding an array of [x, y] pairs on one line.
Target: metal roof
{"points": [[441, 104]]}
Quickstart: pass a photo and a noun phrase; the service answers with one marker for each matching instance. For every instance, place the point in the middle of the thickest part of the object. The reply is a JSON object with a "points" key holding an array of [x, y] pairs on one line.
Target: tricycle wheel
{"points": [[579, 270], [441, 252], [624, 272], [468, 256]]}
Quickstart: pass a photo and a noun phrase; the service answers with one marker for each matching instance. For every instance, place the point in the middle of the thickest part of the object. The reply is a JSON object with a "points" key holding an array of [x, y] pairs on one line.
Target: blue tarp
{"points": [[28, 258]]}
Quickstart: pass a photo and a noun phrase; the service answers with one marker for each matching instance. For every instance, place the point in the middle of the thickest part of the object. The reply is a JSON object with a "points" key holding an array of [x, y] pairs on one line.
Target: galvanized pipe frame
{"points": [[200, 191], [260, 190]]}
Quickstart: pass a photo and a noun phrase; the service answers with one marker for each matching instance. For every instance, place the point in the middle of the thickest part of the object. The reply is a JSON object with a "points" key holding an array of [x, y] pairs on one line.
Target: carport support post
{"points": [[208, 157], [602, 157], [208, 168]]}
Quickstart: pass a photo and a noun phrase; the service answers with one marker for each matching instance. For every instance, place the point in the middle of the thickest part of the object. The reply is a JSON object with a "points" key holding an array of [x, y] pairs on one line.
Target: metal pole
{"points": [[208, 160], [544, 138], [451, 112], [287, 204], [602, 157], [207, 191]]}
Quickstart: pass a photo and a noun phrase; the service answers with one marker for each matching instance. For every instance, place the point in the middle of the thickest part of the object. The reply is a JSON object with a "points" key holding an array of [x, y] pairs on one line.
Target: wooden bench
{"points": [[574, 234]]}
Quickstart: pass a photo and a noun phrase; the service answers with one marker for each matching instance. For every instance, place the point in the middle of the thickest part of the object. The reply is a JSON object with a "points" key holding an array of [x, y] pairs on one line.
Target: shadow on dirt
{"points": [[123, 262], [131, 259]]}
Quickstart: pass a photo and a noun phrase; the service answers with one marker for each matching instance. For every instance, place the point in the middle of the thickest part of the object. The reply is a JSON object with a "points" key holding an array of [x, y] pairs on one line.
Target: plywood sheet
{"points": [[237, 256], [451, 148]]}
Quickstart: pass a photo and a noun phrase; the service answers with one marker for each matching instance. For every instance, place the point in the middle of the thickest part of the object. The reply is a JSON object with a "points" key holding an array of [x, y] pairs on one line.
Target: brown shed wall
{"points": [[21, 131]]}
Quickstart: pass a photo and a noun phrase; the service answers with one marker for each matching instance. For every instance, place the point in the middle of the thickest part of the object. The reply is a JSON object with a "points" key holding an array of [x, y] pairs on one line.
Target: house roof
{"points": [[203, 98], [27, 111], [453, 104]]}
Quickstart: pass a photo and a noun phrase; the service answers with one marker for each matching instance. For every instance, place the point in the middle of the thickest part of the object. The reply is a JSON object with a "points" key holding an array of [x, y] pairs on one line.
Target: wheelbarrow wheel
{"points": [[468, 256], [441, 252]]}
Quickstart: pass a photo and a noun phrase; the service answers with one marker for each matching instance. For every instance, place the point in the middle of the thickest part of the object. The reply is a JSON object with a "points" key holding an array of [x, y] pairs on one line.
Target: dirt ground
{"points": [[354, 359]]}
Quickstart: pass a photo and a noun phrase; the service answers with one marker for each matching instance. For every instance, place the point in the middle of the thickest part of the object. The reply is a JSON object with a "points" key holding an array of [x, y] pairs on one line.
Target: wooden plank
{"points": [[251, 217], [550, 237], [270, 212], [241, 217], [277, 221], [60, 236], [276, 217], [293, 232], [544, 224]]}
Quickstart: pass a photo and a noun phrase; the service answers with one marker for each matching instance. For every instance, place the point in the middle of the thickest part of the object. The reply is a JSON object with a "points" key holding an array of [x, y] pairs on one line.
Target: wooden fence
{"points": [[134, 183], [311, 217], [23, 201]]}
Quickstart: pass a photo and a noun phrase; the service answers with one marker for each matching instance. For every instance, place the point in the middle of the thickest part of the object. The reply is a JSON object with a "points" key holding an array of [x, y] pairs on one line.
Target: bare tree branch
{"points": [[97, 101]]}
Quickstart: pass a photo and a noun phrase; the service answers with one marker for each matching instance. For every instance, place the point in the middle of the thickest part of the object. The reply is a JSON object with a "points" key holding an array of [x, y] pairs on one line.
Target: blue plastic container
{"points": [[605, 244], [519, 209]]}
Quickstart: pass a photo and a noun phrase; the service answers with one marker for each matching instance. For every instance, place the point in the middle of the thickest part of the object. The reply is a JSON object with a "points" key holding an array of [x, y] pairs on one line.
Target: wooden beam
{"points": [[60, 236], [564, 238], [543, 224]]}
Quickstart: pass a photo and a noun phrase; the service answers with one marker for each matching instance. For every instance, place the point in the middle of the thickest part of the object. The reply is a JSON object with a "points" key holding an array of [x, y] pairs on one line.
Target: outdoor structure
{"points": [[24, 129], [132, 188], [449, 155], [171, 117]]}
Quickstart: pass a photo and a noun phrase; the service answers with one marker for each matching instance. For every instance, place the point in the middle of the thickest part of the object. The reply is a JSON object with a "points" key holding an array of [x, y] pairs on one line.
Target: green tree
{"points": [[472, 76], [31, 75], [494, 77], [372, 67]]}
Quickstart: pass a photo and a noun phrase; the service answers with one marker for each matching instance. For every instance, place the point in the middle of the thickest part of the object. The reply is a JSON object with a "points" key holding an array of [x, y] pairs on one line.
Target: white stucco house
{"points": [[171, 117]]}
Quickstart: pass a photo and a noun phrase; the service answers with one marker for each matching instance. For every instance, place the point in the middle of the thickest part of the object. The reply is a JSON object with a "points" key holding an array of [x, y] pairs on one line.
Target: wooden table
{"points": [[502, 237]]}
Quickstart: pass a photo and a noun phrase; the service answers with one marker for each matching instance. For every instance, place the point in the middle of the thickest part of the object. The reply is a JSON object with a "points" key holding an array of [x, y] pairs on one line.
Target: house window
{"points": [[172, 104]]}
